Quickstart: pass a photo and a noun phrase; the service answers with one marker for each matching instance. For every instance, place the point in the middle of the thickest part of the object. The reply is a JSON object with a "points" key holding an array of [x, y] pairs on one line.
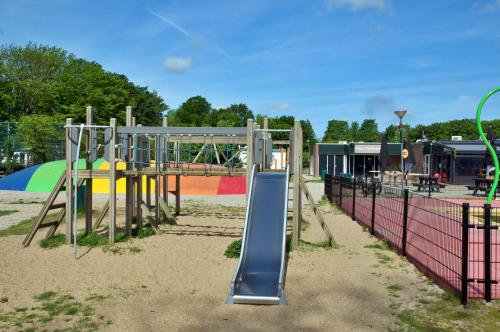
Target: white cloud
{"points": [[490, 7], [356, 5], [281, 106], [177, 64]]}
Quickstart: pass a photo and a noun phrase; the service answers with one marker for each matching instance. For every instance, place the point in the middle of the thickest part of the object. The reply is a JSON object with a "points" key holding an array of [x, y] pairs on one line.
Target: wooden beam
{"points": [[101, 215], [249, 153], [317, 212], [112, 182], [68, 181], [296, 186], [129, 182], [88, 165]]}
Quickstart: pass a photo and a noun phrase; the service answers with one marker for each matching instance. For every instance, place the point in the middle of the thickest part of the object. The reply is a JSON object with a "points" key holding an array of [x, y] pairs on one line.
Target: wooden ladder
{"points": [[48, 206]]}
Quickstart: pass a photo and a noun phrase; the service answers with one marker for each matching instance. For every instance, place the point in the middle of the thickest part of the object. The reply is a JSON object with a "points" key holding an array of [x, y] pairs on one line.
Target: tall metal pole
{"points": [[402, 159]]}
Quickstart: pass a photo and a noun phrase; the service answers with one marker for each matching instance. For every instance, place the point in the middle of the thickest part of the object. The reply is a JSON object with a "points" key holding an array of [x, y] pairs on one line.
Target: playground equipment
{"points": [[151, 154], [492, 151]]}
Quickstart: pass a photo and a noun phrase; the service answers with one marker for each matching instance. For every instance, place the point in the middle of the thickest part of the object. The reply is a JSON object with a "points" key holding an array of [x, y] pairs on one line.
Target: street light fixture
{"points": [[400, 114]]}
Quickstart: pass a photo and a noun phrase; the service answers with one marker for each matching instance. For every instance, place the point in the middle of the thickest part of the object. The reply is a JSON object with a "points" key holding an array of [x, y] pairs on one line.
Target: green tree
{"points": [[39, 79], [368, 132], [235, 115], [354, 132], [39, 133], [194, 112], [336, 130]]}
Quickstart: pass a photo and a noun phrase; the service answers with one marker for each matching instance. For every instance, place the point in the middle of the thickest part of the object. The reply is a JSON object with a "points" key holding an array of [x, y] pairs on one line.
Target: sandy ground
{"points": [[179, 280]]}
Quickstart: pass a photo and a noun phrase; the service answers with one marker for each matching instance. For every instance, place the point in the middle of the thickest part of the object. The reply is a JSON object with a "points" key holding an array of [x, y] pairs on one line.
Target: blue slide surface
{"points": [[259, 277]]}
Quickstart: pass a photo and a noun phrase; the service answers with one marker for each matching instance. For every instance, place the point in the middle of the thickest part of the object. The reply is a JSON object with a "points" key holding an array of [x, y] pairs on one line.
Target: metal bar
{"points": [[374, 196], [465, 252], [221, 131], [487, 252], [405, 221], [354, 199], [273, 130], [85, 126]]}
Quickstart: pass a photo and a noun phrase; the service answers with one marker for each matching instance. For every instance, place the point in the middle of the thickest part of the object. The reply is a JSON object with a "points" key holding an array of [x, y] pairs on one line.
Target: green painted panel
{"points": [[46, 176], [331, 149]]}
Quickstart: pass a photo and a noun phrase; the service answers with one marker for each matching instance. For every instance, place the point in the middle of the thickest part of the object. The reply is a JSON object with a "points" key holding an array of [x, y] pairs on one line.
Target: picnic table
{"points": [[426, 181], [480, 184]]}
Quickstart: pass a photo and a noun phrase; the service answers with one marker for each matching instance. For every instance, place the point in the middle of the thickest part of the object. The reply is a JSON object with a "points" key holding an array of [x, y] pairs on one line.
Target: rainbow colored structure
{"points": [[43, 178]]}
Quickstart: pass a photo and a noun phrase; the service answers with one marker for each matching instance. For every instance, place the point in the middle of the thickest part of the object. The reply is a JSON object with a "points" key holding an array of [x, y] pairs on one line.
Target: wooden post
{"points": [[138, 199], [157, 180], [249, 153], [296, 155], [177, 194], [112, 182], [129, 182], [148, 192], [265, 162], [165, 167], [69, 182], [88, 166]]}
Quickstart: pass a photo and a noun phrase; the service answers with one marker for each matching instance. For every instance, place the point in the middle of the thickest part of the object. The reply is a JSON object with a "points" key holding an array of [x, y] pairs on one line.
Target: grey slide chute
{"points": [[259, 277]]}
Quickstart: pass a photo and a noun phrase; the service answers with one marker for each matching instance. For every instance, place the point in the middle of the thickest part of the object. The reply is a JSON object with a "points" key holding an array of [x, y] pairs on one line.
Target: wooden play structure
{"points": [[151, 156]]}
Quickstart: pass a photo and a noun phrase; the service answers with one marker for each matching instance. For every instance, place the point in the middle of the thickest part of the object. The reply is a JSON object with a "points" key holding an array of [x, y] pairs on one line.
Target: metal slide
{"points": [[259, 277]]}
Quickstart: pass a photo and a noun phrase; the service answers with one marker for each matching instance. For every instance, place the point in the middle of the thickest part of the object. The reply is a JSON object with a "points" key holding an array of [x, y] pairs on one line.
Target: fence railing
{"points": [[456, 244]]}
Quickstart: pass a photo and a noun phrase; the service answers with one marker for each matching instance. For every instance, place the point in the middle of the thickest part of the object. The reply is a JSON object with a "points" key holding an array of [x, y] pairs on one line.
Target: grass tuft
{"points": [[7, 212], [53, 242], [145, 231], [233, 249]]}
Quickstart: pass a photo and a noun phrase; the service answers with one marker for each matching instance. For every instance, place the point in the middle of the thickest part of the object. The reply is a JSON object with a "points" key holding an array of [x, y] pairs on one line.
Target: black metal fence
{"points": [[456, 244]]}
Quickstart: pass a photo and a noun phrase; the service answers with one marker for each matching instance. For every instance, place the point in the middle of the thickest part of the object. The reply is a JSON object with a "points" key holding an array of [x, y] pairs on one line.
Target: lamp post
{"points": [[400, 114]]}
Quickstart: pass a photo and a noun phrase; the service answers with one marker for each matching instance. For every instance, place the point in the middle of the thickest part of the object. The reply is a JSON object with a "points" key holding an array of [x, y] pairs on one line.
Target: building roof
{"points": [[467, 147]]}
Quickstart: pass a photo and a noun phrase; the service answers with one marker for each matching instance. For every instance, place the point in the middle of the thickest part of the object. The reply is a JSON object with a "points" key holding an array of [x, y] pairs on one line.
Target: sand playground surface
{"points": [[178, 280]]}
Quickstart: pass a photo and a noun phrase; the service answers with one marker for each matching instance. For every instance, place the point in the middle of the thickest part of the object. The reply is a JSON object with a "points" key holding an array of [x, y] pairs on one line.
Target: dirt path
{"points": [[180, 279]]}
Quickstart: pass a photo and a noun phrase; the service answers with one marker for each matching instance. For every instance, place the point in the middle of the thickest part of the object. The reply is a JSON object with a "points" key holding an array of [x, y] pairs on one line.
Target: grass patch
{"points": [[233, 249], [69, 313], [145, 231], [444, 313], [383, 258], [53, 242], [7, 212], [379, 245]]}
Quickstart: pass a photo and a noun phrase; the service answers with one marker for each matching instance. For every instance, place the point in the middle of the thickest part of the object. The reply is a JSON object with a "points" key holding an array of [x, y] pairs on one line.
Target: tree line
{"points": [[339, 130], [41, 86]]}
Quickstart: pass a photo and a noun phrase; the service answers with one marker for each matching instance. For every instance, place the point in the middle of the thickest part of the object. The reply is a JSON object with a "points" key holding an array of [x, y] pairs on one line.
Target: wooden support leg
{"points": [[138, 201], [148, 191], [129, 204], [69, 183], [88, 205], [112, 183], [177, 195], [157, 199]]}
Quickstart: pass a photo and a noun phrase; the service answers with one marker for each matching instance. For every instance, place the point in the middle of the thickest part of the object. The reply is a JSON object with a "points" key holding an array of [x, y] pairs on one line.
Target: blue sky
{"points": [[315, 59]]}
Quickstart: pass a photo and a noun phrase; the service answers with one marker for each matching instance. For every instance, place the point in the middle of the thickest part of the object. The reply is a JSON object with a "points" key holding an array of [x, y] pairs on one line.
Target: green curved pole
{"points": [[493, 153]]}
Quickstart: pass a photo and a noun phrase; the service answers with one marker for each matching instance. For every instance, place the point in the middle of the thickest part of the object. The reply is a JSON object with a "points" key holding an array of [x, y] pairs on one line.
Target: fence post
{"points": [[353, 182], [341, 180], [374, 195], [405, 221], [487, 252], [465, 252]]}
